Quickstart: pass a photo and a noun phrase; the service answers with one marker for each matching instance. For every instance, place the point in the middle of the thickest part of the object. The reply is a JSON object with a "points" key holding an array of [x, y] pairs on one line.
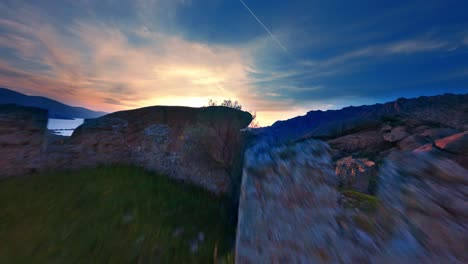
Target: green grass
{"points": [[112, 214], [362, 201]]}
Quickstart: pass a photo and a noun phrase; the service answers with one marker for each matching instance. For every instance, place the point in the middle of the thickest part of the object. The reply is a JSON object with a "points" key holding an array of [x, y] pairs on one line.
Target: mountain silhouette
{"points": [[56, 109]]}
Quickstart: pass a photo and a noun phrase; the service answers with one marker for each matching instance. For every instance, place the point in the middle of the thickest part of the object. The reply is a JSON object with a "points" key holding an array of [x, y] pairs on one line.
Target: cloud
{"points": [[357, 59], [404, 47], [105, 57], [98, 65], [337, 80], [414, 46], [94, 58], [112, 101]]}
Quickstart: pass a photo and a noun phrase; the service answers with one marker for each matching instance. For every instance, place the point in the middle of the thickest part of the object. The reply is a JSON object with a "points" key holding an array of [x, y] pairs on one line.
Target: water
{"points": [[64, 127]]}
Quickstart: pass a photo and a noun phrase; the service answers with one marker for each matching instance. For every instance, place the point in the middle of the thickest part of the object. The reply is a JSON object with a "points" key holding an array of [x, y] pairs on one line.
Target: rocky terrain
{"points": [[373, 184], [362, 137], [292, 209]]}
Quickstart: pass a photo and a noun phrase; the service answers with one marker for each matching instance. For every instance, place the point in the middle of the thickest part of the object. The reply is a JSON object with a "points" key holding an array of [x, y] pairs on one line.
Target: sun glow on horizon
{"points": [[177, 101]]}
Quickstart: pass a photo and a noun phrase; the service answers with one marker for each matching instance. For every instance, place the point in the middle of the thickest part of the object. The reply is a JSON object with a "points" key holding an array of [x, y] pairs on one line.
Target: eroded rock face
{"points": [[355, 173], [22, 135], [164, 139]]}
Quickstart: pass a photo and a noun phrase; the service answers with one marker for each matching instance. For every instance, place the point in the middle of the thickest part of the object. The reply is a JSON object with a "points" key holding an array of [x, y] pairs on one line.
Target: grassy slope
{"points": [[112, 214]]}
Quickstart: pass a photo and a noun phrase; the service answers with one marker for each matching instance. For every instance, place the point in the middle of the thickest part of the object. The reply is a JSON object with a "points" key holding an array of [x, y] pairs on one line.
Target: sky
{"points": [[279, 59]]}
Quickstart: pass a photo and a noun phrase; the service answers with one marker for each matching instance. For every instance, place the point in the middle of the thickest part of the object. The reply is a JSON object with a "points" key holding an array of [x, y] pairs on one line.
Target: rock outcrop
{"points": [[288, 205], [369, 143], [355, 173], [453, 147], [456, 144], [292, 212], [190, 144], [396, 134], [22, 138], [182, 142]]}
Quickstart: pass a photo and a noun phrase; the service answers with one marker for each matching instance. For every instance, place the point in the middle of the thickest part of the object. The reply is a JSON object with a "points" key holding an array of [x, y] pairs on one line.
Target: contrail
{"points": [[266, 29]]}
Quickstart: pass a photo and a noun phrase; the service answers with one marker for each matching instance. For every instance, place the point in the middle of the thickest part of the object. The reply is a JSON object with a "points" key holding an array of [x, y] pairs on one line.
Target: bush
{"points": [[226, 103]]}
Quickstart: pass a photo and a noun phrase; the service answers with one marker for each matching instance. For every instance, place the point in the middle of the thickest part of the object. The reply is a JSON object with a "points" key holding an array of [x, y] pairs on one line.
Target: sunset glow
{"points": [[108, 56]]}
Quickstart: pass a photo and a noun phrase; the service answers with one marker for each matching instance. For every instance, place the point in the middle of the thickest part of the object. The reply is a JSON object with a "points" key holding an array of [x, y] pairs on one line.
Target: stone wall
{"points": [[172, 140], [288, 205], [22, 137]]}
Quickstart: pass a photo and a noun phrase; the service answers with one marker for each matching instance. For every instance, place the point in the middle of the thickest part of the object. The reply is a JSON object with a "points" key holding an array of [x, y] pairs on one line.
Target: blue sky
{"points": [[113, 55]]}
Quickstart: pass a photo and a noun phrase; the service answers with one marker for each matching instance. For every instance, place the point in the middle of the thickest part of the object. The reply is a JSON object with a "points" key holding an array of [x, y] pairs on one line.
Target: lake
{"points": [[64, 127]]}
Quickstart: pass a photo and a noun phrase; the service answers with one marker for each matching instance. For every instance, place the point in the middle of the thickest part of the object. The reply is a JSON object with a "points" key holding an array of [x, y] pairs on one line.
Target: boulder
{"points": [[386, 128], [396, 134], [456, 144], [366, 141], [355, 173]]}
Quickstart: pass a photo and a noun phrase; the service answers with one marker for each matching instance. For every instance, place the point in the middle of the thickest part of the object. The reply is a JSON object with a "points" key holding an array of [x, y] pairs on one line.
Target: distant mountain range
{"points": [[449, 110], [56, 109]]}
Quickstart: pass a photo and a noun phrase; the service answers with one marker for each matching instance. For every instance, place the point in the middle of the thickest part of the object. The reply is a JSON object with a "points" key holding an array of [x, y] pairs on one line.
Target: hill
{"points": [[448, 110], [56, 109]]}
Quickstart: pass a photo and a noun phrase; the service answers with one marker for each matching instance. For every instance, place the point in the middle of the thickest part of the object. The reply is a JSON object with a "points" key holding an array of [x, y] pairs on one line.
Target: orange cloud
{"points": [[96, 65]]}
